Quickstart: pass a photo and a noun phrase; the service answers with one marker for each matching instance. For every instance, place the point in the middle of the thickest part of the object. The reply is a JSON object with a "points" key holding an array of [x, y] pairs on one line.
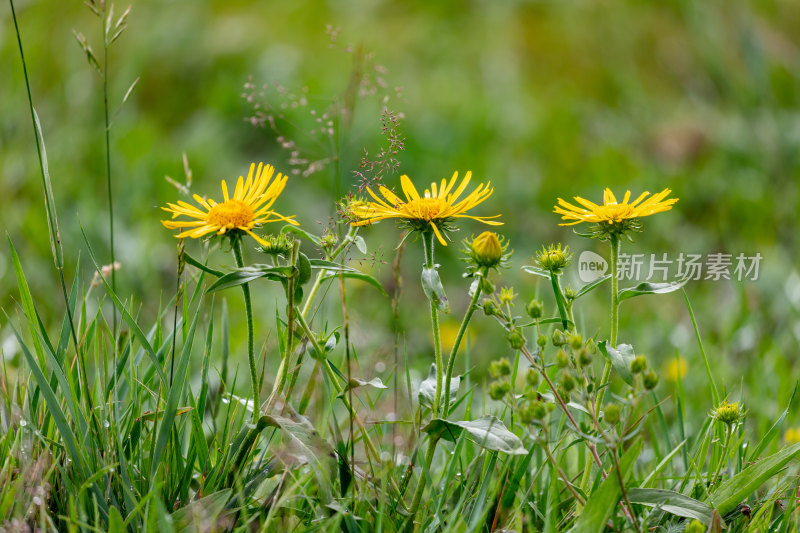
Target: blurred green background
{"points": [[547, 99]]}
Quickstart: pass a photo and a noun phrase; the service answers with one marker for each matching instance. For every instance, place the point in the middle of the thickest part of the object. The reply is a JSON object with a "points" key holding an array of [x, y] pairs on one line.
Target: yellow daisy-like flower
{"points": [[613, 212], [435, 208], [250, 206]]}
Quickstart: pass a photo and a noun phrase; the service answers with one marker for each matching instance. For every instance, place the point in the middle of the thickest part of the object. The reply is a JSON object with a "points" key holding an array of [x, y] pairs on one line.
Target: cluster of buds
{"points": [[649, 377], [500, 370]]}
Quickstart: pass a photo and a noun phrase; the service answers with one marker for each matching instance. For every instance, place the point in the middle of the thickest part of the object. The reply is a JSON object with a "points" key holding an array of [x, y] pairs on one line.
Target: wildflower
{"points": [[553, 258], [792, 435], [728, 413], [612, 217], [676, 368], [435, 209], [249, 207]]}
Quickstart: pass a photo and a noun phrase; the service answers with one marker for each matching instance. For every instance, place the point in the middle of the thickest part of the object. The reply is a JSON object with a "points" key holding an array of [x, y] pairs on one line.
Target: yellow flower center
{"points": [[231, 214], [616, 212], [427, 208]]}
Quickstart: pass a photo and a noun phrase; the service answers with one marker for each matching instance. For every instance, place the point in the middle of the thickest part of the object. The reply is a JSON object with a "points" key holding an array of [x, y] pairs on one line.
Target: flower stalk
{"points": [[248, 309]]}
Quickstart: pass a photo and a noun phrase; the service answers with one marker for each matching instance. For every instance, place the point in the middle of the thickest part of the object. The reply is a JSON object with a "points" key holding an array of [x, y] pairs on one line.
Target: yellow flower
{"points": [[250, 206], [792, 435], [675, 368], [435, 208], [613, 212]]}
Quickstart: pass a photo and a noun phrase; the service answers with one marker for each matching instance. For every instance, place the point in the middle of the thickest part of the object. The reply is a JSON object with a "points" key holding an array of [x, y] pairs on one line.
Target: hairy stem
{"points": [[248, 308], [427, 242], [614, 319]]}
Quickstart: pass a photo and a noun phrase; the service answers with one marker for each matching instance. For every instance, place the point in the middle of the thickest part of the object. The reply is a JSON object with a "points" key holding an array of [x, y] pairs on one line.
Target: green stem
{"points": [[702, 350], [559, 295], [451, 361], [108, 173], [724, 459], [614, 319], [248, 308], [421, 485], [427, 242]]}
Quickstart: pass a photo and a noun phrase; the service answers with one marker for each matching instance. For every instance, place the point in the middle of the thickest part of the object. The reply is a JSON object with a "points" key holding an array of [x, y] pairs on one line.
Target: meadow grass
{"points": [[115, 418]]}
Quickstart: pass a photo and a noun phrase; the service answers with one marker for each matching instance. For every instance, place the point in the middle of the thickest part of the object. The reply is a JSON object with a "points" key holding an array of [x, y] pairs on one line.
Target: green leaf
{"points": [[197, 264], [427, 389], [289, 228], [303, 269], [356, 383], [732, 491], [200, 513], [621, 358], [360, 276], [592, 286], [672, 502], [774, 431], [361, 244], [433, 289], [244, 275], [651, 288], [536, 271], [602, 503], [488, 432]]}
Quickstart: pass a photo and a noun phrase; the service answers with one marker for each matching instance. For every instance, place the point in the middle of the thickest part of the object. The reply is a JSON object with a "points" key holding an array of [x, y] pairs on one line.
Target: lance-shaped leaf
{"points": [[244, 275], [488, 432], [672, 502], [651, 288]]}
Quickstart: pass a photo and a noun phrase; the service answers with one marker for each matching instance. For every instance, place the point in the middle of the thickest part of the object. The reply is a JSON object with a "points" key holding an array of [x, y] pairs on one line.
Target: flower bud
{"points": [[559, 338], [612, 413], [498, 389], [542, 341], [728, 413], [487, 287], [562, 359], [489, 307], [516, 339], [553, 258], [507, 295], [532, 378], [487, 250], [639, 364], [567, 381], [500, 368], [584, 357], [576, 341], [650, 380], [535, 309], [533, 410]]}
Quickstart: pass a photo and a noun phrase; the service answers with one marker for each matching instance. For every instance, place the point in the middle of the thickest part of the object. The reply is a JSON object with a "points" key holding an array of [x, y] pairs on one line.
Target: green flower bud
{"points": [[498, 389], [329, 240], [487, 250], [276, 244], [550, 407], [695, 526], [516, 339], [639, 364], [507, 295], [650, 380], [487, 287], [576, 341], [542, 341], [728, 413], [500, 368], [584, 357], [567, 382], [559, 338], [591, 347], [612, 413], [535, 309], [562, 359], [489, 307], [533, 410], [553, 258], [532, 377]]}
